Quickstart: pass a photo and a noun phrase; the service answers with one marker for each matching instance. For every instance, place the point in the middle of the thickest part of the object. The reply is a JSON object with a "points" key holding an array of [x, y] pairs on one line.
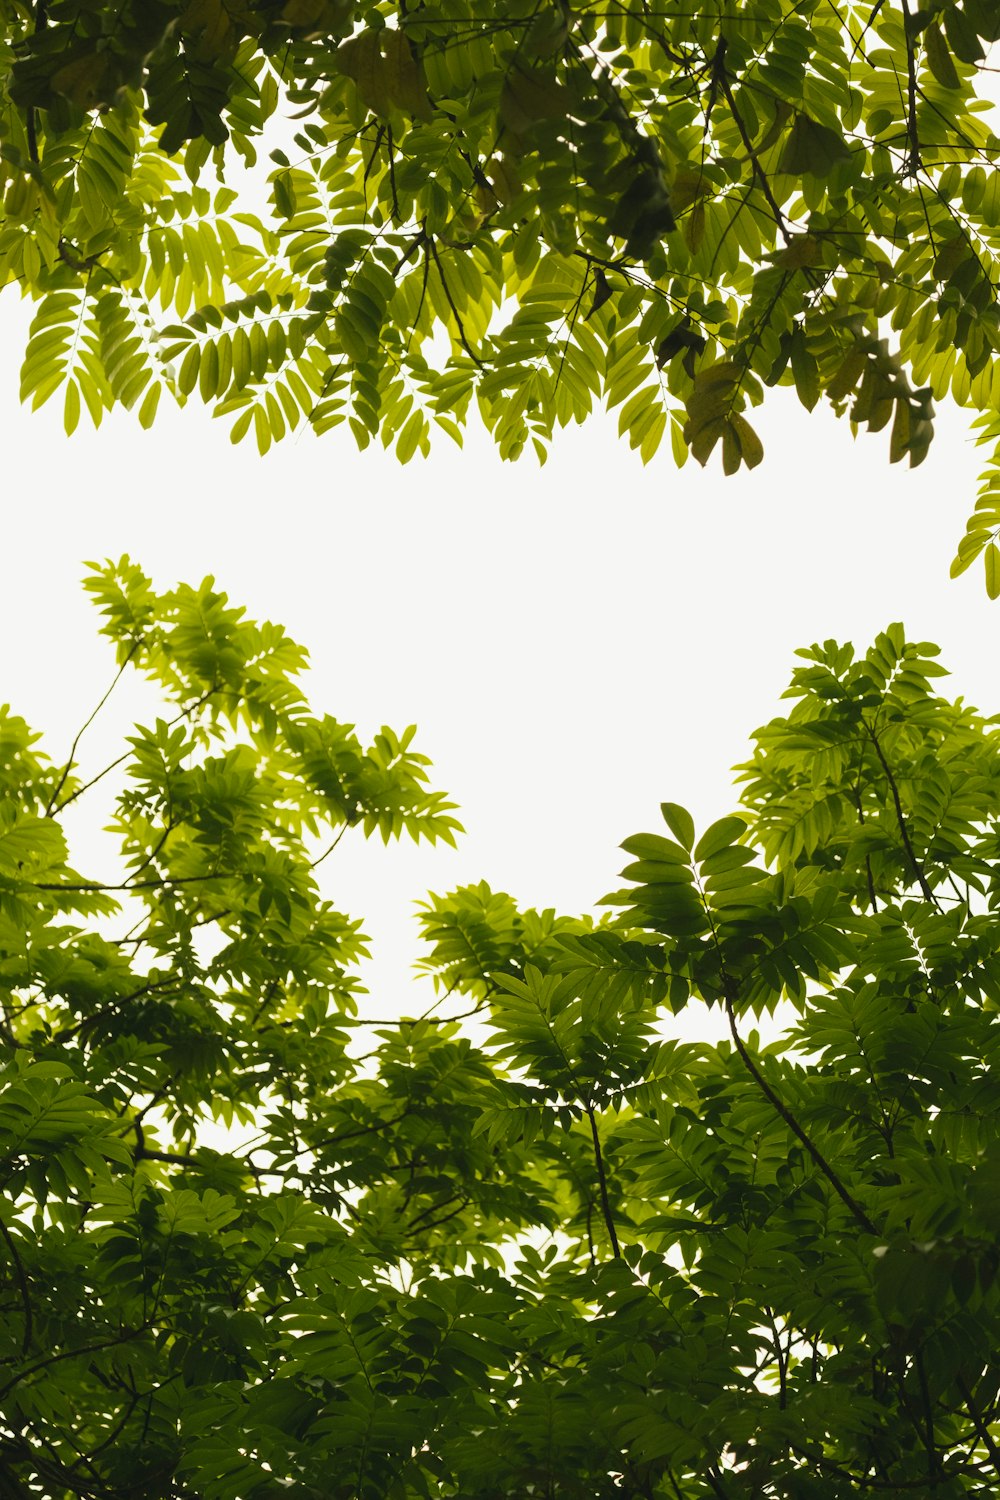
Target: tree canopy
{"points": [[522, 208], [258, 1240]]}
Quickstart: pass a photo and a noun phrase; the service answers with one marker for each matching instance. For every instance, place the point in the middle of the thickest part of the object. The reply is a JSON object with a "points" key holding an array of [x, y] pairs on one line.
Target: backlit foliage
{"points": [[519, 208], [258, 1240]]}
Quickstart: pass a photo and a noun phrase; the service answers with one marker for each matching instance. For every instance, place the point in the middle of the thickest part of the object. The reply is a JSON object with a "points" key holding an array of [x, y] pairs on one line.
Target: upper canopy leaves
{"points": [[665, 213]]}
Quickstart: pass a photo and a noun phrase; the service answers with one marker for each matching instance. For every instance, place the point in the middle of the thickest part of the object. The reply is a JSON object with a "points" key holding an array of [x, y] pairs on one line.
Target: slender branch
{"points": [[985, 1436], [161, 882], [113, 1435], [184, 714], [781, 1356], [904, 832], [463, 340], [349, 1135], [126, 1337], [719, 73], [860, 1481], [83, 729], [713, 1478], [329, 848], [145, 863], [603, 1184], [31, 114], [379, 134], [22, 1286], [390, 153], [67, 1033], [177, 1159], [913, 162], [414, 245], [849, 1201], [436, 1223], [151, 1103], [930, 1438], [434, 1208]]}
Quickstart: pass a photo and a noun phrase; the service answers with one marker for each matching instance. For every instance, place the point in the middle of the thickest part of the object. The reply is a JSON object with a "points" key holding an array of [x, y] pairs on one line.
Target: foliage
{"points": [[258, 1243], [524, 208]]}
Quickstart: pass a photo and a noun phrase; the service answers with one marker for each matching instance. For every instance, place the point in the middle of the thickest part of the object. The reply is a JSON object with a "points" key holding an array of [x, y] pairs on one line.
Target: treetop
{"points": [[516, 210]]}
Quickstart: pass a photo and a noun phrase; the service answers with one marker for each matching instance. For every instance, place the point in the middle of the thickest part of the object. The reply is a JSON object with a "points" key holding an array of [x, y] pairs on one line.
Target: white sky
{"points": [[576, 643]]}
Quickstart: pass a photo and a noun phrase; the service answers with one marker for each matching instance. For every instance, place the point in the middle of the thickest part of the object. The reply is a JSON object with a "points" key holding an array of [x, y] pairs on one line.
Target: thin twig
{"points": [[83, 729], [330, 848], [985, 1435], [184, 714], [460, 326], [126, 1337], [849, 1201]]}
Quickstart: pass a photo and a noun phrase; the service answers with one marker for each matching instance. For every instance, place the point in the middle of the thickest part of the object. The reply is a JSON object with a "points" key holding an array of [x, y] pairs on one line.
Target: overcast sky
{"points": [[576, 642]]}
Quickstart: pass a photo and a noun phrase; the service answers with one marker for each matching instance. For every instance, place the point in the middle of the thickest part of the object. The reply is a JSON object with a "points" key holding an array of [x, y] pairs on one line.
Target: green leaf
{"points": [[992, 560], [71, 408], [680, 823], [811, 148], [719, 836], [939, 58]]}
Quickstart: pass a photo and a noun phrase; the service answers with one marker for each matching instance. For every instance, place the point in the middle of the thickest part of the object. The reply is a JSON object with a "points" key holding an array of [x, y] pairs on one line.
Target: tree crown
{"points": [[257, 1242], [516, 208]]}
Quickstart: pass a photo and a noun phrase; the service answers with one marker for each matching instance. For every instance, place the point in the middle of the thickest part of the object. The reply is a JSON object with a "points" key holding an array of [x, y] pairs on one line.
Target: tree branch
{"points": [[603, 1184], [31, 114], [720, 75], [83, 729], [915, 865], [184, 714], [127, 1337], [983, 1431], [849, 1201], [913, 162], [432, 249], [22, 1286]]}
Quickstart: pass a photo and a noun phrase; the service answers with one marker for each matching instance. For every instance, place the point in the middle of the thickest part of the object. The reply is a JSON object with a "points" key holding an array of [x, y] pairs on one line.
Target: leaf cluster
{"points": [[255, 1240], [522, 210]]}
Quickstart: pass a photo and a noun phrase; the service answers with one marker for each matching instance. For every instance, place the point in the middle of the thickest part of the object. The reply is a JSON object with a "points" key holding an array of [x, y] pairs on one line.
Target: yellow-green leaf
{"points": [[939, 58], [751, 447], [992, 560], [71, 407]]}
